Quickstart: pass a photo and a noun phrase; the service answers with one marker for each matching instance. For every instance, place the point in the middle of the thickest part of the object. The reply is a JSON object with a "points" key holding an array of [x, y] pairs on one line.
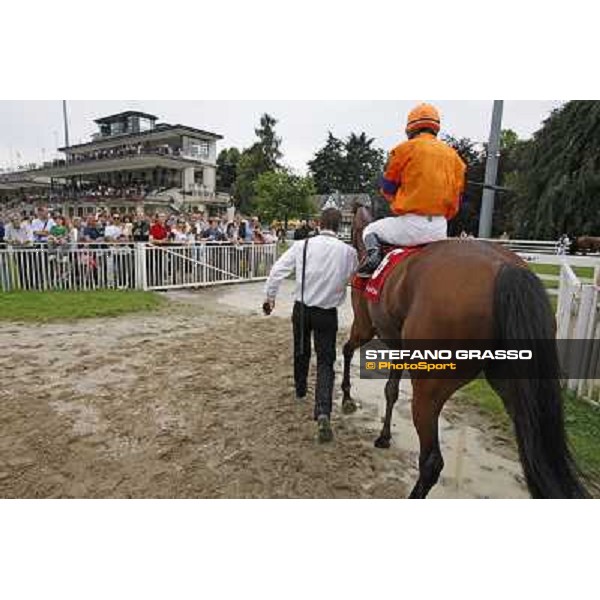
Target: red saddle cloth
{"points": [[394, 255]]}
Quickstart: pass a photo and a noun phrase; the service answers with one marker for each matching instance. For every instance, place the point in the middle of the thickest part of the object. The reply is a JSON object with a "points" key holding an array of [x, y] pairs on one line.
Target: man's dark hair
{"points": [[331, 219]]}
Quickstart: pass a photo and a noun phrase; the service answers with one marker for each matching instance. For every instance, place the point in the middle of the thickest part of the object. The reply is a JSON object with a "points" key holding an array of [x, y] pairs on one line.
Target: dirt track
{"points": [[196, 401]]}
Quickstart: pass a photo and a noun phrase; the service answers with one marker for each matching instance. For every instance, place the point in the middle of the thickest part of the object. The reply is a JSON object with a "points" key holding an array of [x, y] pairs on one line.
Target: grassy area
{"points": [[541, 269], [61, 305], [550, 284], [582, 422]]}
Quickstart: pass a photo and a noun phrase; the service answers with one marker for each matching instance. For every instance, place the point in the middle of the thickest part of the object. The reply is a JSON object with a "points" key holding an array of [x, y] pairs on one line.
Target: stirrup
{"points": [[365, 270]]}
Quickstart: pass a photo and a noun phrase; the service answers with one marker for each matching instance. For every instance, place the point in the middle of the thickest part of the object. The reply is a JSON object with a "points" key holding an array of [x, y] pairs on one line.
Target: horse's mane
{"points": [[362, 217]]}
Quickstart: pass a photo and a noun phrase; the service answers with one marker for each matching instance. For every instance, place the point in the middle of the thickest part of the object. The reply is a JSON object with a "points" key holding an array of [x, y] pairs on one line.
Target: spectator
{"points": [[19, 232], [140, 231], [213, 233], [257, 235], [201, 225], [127, 228], [302, 231], [242, 230], [59, 233], [58, 240], [76, 230], [158, 230], [231, 232], [113, 231], [270, 237], [93, 231], [180, 232], [41, 225]]}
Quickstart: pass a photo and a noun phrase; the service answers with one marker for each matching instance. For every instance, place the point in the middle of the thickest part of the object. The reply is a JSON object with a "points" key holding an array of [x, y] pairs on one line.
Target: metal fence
{"points": [[133, 266]]}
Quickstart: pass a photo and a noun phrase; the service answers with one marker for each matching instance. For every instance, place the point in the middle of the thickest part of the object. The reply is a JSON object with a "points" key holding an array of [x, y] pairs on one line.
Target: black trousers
{"points": [[323, 324]]}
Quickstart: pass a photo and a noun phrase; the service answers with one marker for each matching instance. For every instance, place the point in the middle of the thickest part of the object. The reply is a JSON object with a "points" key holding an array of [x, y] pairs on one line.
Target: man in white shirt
{"points": [[42, 225], [18, 231], [113, 230], [328, 265]]}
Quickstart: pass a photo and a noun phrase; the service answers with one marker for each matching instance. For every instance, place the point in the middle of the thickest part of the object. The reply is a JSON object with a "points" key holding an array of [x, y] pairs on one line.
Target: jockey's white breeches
{"points": [[408, 230]]}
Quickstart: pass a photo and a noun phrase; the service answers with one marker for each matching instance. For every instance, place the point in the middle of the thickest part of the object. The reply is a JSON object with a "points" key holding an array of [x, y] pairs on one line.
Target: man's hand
{"points": [[268, 306]]}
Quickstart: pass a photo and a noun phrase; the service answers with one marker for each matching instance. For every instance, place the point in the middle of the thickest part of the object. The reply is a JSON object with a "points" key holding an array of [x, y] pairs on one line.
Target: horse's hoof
{"points": [[349, 406], [382, 442]]}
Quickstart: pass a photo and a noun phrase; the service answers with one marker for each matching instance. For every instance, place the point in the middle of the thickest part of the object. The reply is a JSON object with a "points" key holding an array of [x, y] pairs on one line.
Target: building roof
{"points": [[345, 202], [124, 115]]}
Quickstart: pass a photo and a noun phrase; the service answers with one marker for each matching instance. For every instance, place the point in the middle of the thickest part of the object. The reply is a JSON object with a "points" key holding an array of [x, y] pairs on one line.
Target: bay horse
{"points": [[469, 290], [585, 244]]}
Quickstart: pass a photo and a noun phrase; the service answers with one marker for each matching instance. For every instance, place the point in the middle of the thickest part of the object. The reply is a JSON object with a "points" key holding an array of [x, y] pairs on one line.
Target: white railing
{"points": [[206, 264], [133, 266], [578, 319], [532, 246], [71, 268], [555, 259]]}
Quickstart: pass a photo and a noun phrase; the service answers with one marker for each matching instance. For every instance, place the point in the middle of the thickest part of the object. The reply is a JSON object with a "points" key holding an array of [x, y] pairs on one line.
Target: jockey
{"points": [[423, 182]]}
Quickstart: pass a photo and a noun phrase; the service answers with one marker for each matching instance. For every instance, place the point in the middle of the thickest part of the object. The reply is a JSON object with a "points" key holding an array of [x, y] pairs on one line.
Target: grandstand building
{"points": [[131, 163]]}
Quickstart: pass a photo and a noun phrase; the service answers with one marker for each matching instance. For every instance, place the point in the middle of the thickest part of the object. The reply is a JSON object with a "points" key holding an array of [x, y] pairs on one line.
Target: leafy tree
{"points": [[227, 164], [282, 195], [268, 145], [364, 164], [557, 175], [475, 158], [352, 166], [263, 156], [468, 217], [327, 167]]}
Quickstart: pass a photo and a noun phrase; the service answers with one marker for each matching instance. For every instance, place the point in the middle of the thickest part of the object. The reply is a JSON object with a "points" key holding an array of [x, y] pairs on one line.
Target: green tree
{"points": [[364, 164], [263, 156], [475, 157], [328, 166], [281, 195], [467, 218], [268, 145], [557, 175], [352, 166], [227, 164]]}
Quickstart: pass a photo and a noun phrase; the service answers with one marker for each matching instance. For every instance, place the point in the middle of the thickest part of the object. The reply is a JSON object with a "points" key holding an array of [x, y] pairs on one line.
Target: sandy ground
{"points": [[197, 401]]}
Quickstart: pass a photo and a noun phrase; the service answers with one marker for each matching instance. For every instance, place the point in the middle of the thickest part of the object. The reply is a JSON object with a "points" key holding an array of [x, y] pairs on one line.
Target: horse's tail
{"points": [[522, 311]]}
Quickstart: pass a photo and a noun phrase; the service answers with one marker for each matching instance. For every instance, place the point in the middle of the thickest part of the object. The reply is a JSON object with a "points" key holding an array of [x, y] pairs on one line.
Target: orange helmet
{"points": [[423, 116]]}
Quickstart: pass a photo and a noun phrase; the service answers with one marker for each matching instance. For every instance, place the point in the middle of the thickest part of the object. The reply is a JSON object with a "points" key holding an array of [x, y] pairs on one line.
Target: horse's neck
{"points": [[361, 219]]}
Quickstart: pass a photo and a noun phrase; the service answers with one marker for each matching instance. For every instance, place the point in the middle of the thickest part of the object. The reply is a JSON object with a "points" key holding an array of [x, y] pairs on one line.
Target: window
{"points": [[199, 149], [145, 124], [116, 127]]}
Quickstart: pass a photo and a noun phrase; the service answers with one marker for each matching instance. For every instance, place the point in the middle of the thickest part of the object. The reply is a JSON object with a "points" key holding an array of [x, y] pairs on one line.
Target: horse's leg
{"points": [[392, 388], [429, 396], [361, 332], [348, 404]]}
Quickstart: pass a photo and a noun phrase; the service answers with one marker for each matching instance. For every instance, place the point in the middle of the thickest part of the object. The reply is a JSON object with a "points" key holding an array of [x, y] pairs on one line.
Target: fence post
{"points": [[580, 358], [140, 267]]}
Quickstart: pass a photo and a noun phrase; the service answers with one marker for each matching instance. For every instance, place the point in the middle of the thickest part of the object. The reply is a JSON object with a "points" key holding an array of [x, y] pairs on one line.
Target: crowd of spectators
{"points": [[56, 230], [121, 152]]}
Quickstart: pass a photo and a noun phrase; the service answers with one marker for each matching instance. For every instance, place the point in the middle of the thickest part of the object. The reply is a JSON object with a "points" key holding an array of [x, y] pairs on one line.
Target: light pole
{"points": [[66, 122], [491, 171]]}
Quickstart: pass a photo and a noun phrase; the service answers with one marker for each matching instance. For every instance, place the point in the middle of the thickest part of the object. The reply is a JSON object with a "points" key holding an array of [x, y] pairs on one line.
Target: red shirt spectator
{"points": [[158, 231]]}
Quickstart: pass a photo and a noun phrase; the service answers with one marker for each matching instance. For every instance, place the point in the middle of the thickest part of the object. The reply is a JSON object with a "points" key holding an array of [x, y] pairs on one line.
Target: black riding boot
{"points": [[373, 257]]}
